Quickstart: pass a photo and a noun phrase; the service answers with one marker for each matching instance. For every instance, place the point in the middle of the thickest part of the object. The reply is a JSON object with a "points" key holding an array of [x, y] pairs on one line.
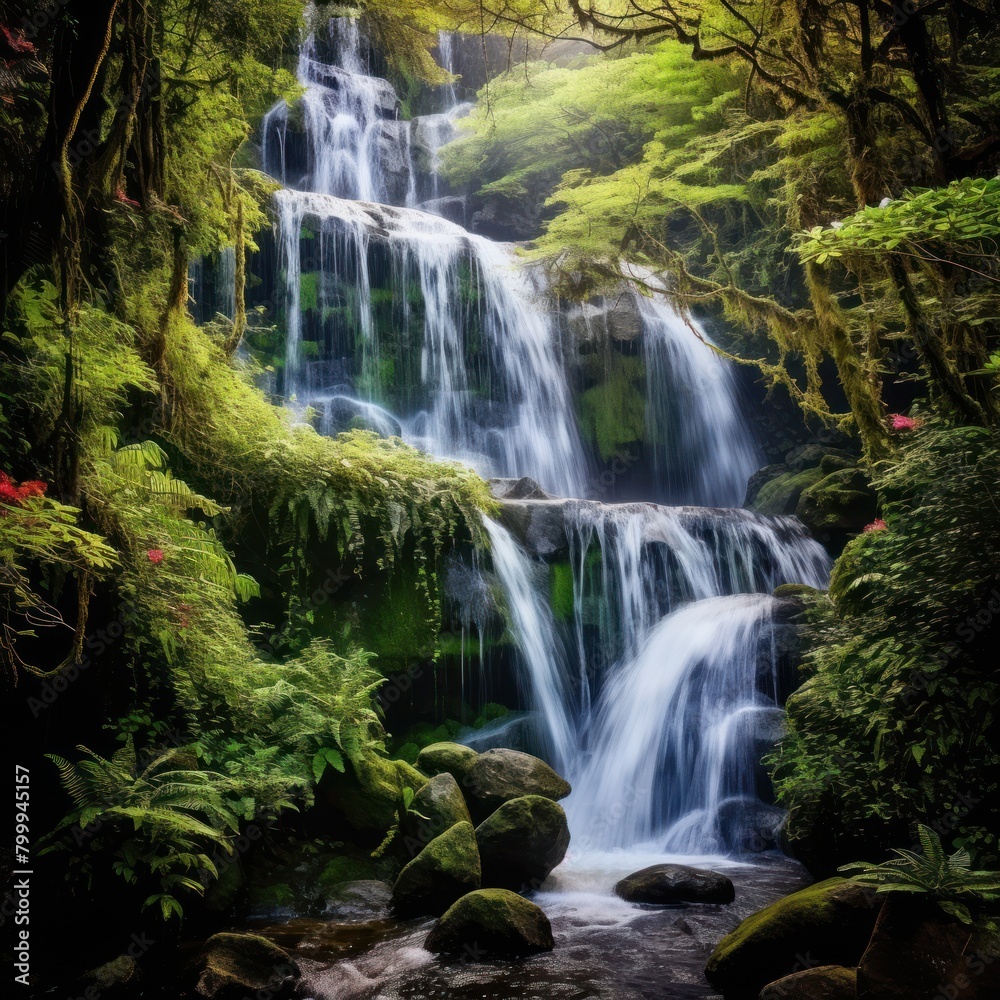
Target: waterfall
{"points": [[654, 693], [703, 450], [655, 699]]}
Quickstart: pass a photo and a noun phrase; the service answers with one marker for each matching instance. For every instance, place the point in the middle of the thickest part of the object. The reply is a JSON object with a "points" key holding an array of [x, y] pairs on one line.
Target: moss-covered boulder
{"points": [[522, 841], [780, 494], [830, 922], [916, 950], [437, 807], [497, 776], [491, 923], [446, 758], [446, 869], [827, 982], [675, 884], [120, 977], [232, 966], [837, 506], [370, 793]]}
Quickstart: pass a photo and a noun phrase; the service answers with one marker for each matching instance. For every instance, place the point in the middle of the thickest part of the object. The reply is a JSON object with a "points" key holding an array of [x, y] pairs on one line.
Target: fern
{"points": [[949, 878]]}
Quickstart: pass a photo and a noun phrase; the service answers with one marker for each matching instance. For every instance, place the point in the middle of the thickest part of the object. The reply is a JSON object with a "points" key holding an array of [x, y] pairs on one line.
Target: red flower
{"points": [[14, 495], [877, 525], [31, 488], [155, 556], [899, 422]]}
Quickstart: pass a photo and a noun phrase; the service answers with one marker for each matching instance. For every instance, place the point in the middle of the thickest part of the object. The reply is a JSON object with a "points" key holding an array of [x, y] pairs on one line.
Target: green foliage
{"points": [[161, 822], [893, 724], [949, 878]]}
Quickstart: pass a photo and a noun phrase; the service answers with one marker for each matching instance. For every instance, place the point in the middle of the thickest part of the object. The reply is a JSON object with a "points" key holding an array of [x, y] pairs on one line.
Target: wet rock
{"points": [[447, 868], [450, 207], [451, 758], [616, 317], [522, 842], [119, 977], [675, 884], [539, 525], [827, 982], [341, 413], [363, 899], [394, 160], [437, 807], [497, 776], [524, 488], [231, 966], [747, 825], [491, 923], [827, 924], [918, 952]]}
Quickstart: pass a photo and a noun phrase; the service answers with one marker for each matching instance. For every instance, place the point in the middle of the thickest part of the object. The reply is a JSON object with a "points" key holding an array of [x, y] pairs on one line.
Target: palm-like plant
{"points": [[162, 821], [949, 878]]}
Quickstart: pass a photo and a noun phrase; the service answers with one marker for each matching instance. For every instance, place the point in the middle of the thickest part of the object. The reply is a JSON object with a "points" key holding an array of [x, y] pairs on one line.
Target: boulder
{"points": [[499, 775], [450, 758], [826, 982], [749, 826], [780, 494], [369, 794], [119, 977], [491, 923], [232, 966], [363, 899], [437, 807], [675, 884], [837, 506], [540, 525], [522, 841], [447, 868], [918, 952], [394, 159], [524, 488], [829, 923]]}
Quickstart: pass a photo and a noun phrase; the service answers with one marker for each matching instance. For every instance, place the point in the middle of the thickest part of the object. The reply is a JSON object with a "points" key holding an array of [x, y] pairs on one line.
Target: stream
{"points": [[659, 693]]}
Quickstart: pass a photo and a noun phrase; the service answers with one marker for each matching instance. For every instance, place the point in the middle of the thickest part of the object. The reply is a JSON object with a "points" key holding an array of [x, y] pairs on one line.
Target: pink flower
{"points": [[155, 556], [899, 422], [877, 525]]}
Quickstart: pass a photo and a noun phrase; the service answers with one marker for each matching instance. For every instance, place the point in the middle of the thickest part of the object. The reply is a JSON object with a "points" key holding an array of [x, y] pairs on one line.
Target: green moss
{"points": [[561, 590], [781, 494], [613, 412], [349, 870], [447, 868], [309, 284]]}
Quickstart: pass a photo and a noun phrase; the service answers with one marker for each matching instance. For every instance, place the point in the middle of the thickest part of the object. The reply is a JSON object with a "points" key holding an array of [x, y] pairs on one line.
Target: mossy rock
{"points": [[781, 494], [837, 505], [232, 966], [344, 869], [489, 924], [370, 793], [446, 757], [826, 982], [446, 869], [119, 977], [793, 591], [499, 775], [437, 807], [522, 841], [831, 922]]}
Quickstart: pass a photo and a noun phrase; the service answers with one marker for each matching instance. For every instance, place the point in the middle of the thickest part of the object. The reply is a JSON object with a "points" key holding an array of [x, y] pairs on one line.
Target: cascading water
{"points": [[655, 687], [702, 449], [668, 633]]}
